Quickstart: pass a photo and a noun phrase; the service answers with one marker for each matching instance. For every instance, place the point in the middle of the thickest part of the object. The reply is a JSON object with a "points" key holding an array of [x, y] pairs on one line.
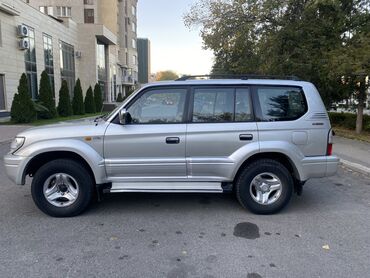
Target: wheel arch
{"points": [[41, 159], [280, 157]]}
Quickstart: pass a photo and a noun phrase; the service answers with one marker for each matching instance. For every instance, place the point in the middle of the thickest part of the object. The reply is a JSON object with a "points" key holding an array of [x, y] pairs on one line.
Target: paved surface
{"points": [[352, 150], [324, 233], [8, 132]]}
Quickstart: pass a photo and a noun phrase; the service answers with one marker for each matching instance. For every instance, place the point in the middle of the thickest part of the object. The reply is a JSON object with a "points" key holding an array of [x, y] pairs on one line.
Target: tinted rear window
{"points": [[281, 103], [219, 105]]}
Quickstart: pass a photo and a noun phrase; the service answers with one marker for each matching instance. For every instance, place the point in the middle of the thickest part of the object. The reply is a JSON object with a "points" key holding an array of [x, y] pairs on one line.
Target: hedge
{"points": [[348, 120], [46, 98], [23, 109], [89, 101], [98, 98], [78, 106], [64, 106]]}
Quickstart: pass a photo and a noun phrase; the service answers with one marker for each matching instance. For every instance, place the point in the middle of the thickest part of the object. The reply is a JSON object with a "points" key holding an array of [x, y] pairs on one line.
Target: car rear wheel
{"points": [[264, 187], [62, 188]]}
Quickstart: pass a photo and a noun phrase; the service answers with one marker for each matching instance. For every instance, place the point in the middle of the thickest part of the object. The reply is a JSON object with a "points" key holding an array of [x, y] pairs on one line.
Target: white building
{"points": [[94, 40]]}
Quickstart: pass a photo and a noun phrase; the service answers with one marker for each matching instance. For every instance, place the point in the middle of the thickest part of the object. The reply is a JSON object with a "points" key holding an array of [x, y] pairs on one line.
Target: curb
{"points": [[356, 167]]}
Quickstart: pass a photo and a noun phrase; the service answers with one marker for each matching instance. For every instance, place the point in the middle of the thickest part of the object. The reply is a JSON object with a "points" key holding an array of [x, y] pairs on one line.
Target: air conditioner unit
{"points": [[23, 31], [23, 44], [78, 54]]}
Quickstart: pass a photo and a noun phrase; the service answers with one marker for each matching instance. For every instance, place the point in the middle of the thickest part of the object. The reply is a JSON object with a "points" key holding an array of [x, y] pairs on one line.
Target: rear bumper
{"points": [[319, 167], [14, 168]]}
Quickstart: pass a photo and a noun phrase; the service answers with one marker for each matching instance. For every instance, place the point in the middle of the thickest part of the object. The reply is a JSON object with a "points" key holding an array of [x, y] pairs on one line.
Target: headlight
{"points": [[16, 144]]}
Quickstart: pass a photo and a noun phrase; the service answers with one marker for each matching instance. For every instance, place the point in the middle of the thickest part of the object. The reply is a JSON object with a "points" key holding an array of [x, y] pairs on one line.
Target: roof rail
{"points": [[237, 76]]}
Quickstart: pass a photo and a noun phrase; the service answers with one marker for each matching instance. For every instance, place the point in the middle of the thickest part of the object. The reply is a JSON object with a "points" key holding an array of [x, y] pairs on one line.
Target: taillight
{"points": [[330, 143], [330, 149]]}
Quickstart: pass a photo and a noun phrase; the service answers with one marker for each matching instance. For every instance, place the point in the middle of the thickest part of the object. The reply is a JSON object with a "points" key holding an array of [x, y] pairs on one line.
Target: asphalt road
{"points": [[324, 233]]}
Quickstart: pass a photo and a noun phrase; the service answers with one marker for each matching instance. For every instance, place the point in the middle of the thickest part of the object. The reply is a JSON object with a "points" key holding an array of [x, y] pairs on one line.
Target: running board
{"points": [[167, 187]]}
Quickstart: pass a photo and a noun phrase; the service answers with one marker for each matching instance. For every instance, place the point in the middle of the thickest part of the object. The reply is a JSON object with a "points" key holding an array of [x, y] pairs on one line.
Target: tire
{"points": [[62, 177], [262, 173]]}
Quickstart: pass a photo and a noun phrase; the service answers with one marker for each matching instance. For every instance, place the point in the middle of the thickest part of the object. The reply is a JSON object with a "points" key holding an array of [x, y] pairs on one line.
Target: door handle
{"points": [[172, 140], [246, 137]]}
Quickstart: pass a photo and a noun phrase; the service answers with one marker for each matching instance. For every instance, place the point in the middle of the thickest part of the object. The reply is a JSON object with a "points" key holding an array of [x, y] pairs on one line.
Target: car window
{"points": [[243, 109], [159, 106], [281, 103], [213, 105]]}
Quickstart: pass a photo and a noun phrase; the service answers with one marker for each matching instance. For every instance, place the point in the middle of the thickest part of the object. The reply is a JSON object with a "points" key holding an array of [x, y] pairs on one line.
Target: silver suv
{"points": [[261, 138]]}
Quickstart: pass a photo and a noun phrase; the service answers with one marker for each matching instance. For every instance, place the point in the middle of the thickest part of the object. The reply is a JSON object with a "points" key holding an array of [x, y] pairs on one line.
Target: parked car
{"points": [[261, 138]]}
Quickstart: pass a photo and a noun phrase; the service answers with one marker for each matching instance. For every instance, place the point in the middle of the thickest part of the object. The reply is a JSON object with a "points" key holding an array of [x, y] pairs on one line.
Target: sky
{"points": [[173, 45]]}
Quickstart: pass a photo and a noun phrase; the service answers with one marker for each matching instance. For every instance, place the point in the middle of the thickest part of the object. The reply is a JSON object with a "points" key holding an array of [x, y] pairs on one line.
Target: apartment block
{"points": [[94, 40]]}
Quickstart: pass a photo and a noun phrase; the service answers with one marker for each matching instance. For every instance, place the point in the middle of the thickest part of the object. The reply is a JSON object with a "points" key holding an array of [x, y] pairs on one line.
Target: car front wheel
{"points": [[62, 188]]}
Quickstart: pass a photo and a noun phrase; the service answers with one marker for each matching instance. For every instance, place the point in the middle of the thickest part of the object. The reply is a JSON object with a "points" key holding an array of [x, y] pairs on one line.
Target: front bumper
{"points": [[319, 167], [14, 168]]}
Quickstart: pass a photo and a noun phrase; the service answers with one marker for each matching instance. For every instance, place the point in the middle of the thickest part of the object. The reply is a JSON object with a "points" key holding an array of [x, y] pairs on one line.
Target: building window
{"points": [[89, 2], [47, 10], [133, 43], [49, 59], [67, 65], [30, 62], [64, 11], [89, 15], [133, 26], [134, 60], [101, 66], [133, 10], [126, 41]]}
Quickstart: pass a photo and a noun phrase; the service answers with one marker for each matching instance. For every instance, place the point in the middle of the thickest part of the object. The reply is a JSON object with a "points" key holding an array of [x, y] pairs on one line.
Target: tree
{"points": [[78, 101], [98, 98], [46, 98], [166, 75], [119, 98], [89, 101], [64, 105], [23, 110], [313, 39]]}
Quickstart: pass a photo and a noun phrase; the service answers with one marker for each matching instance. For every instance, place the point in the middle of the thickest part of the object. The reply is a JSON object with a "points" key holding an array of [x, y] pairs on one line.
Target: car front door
{"points": [[152, 145]]}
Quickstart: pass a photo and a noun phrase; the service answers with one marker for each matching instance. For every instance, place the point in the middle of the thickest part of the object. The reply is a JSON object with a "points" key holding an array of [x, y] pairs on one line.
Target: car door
{"points": [[221, 123], [152, 146]]}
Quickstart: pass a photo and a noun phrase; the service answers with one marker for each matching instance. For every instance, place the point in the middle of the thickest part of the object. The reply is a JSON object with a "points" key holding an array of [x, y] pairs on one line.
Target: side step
{"points": [[167, 187]]}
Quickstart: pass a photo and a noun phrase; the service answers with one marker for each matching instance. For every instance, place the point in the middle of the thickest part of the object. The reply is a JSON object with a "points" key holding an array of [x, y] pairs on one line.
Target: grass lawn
{"points": [[351, 134], [56, 120]]}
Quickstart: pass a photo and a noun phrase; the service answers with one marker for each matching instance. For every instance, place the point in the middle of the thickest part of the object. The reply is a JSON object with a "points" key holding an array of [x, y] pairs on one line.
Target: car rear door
{"points": [[221, 122]]}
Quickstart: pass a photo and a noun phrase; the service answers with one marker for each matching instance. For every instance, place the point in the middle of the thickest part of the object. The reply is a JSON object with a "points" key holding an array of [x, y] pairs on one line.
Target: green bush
{"points": [[46, 98], [98, 98], [348, 120], [89, 101], [119, 98], [78, 100], [64, 105], [23, 110]]}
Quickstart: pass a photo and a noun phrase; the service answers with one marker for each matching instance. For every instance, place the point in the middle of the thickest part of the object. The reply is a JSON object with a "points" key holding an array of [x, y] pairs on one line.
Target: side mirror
{"points": [[123, 116]]}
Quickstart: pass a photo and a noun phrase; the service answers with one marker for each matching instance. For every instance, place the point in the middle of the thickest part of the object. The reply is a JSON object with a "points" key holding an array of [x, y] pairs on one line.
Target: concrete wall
{"points": [[108, 14]]}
